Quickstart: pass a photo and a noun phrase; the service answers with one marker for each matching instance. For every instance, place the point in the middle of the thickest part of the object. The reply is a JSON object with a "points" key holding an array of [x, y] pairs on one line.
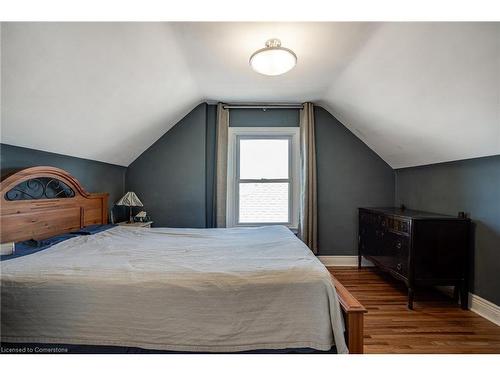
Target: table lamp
{"points": [[130, 200]]}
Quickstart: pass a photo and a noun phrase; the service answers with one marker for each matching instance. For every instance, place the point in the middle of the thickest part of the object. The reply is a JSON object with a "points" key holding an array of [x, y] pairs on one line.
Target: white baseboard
{"points": [[343, 261], [479, 305], [485, 308]]}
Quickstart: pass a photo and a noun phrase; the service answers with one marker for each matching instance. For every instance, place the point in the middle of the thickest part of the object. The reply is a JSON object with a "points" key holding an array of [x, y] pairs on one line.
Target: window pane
{"points": [[264, 202], [263, 158]]}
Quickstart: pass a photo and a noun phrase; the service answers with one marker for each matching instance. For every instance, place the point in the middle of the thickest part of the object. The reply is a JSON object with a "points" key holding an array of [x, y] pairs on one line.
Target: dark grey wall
{"points": [[472, 186], [258, 117], [174, 177], [350, 175], [170, 176], [93, 175]]}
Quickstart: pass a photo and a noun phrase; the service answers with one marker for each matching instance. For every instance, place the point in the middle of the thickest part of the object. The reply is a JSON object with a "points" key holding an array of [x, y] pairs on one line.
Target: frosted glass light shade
{"points": [[274, 59]]}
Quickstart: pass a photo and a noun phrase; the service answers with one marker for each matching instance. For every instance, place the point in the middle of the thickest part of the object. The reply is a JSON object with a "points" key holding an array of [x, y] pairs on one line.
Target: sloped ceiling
{"points": [[416, 93], [423, 93], [101, 91]]}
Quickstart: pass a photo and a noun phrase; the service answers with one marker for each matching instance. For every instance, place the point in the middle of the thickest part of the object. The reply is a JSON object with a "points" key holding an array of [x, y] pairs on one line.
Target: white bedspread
{"points": [[218, 290]]}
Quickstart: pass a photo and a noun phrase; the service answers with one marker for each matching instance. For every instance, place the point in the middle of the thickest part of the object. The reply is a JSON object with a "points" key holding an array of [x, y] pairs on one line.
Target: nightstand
{"points": [[137, 224]]}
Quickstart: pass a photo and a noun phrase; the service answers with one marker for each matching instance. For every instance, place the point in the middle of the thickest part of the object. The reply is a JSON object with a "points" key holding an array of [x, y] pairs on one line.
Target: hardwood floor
{"points": [[436, 325]]}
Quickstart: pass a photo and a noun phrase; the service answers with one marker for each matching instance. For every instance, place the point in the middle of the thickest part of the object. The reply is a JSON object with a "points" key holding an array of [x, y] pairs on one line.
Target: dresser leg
{"points": [[464, 296], [456, 293], [410, 298]]}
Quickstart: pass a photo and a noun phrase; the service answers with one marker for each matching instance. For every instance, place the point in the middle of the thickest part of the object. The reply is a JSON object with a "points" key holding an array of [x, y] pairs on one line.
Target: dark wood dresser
{"points": [[419, 248]]}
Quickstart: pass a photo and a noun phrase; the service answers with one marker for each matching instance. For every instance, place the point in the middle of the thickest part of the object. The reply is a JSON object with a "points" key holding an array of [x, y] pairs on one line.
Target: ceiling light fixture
{"points": [[273, 60]]}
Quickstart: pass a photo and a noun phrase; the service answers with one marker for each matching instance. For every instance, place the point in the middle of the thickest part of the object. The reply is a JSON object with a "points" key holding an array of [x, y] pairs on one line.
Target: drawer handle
{"points": [[398, 245], [399, 267]]}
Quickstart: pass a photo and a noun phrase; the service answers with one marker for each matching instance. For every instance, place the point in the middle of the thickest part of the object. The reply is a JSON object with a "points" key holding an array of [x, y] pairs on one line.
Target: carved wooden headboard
{"points": [[41, 202]]}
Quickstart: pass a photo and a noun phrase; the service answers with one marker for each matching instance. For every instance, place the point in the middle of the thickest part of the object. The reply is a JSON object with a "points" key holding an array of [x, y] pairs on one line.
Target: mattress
{"points": [[210, 290]]}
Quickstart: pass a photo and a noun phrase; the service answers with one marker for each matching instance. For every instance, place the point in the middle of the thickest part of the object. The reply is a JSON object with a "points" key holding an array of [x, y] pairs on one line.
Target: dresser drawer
{"points": [[382, 221], [398, 247], [400, 244], [398, 225]]}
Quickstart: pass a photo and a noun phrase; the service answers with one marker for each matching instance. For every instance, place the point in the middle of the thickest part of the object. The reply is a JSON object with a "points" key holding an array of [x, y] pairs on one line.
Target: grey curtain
{"points": [[220, 190], [308, 212]]}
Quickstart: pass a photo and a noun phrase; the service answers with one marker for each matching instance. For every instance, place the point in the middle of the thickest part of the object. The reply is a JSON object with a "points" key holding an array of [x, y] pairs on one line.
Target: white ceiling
{"points": [[218, 57], [423, 93], [416, 93], [102, 91]]}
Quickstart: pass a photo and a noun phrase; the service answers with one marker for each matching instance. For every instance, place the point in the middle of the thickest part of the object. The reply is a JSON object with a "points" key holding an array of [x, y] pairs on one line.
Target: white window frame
{"points": [[237, 133]]}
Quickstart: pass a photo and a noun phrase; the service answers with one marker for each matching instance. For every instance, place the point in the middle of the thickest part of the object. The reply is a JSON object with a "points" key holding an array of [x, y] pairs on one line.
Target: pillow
{"points": [[93, 229]]}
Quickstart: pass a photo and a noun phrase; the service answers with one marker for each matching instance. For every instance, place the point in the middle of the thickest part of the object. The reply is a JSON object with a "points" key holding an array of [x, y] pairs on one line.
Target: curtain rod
{"points": [[263, 106]]}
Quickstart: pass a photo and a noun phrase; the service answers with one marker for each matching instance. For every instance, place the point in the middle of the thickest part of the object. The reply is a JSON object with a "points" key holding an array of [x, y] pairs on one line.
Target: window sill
{"points": [[294, 230]]}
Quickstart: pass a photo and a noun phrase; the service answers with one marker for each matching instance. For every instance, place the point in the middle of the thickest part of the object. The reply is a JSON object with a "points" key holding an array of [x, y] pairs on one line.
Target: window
{"points": [[263, 166]]}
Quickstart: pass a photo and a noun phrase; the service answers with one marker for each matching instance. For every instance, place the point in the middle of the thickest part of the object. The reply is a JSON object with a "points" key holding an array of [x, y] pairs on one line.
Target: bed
{"points": [[174, 289]]}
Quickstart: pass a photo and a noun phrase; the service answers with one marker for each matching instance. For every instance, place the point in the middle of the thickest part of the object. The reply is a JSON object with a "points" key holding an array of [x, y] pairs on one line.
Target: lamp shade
{"points": [[130, 200]]}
